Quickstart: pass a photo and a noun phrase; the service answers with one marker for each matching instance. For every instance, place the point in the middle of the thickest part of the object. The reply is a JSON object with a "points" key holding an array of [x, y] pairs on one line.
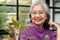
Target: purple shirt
{"points": [[34, 33]]}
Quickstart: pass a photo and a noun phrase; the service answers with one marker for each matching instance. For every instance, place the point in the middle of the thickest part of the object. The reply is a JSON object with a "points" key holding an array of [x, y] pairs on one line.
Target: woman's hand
{"points": [[52, 24], [14, 28]]}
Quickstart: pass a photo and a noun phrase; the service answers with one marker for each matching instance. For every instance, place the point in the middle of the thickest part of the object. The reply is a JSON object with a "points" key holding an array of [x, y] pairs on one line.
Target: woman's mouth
{"points": [[37, 20]]}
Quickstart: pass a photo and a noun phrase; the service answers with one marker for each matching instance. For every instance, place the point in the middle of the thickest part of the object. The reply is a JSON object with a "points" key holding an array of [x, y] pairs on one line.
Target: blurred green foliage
{"points": [[23, 14], [23, 18], [24, 9], [6, 9], [3, 19], [25, 2]]}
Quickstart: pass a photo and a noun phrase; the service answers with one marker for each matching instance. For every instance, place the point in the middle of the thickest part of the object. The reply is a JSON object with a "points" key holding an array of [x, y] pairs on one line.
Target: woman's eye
{"points": [[33, 12], [40, 12]]}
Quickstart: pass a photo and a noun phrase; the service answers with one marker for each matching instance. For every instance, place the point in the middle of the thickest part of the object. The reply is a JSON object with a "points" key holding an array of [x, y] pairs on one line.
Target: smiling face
{"points": [[38, 15]]}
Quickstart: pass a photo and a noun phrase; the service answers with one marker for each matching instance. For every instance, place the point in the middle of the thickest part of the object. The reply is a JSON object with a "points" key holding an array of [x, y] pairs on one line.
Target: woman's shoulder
{"points": [[49, 31]]}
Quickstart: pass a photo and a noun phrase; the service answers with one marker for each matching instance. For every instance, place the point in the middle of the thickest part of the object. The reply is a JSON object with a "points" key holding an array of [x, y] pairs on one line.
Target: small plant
{"points": [[18, 28]]}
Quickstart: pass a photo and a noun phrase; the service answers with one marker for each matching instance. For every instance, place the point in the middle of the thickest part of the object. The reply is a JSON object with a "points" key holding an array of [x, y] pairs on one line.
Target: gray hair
{"points": [[44, 5]]}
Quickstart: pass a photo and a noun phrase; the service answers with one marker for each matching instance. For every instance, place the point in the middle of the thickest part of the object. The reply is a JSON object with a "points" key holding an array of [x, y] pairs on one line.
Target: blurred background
{"points": [[19, 9]]}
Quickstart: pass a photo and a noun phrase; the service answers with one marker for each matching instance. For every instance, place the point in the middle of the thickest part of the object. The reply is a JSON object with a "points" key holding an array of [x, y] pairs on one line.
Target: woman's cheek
{"points": [[32, 16]]}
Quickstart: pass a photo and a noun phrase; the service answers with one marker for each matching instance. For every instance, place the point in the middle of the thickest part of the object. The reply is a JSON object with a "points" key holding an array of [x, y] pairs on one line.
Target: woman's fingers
{"points": [[52, 24]]}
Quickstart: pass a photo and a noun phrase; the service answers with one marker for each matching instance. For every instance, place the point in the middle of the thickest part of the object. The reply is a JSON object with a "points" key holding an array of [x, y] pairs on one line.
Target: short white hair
{"points": [[44, 5]]}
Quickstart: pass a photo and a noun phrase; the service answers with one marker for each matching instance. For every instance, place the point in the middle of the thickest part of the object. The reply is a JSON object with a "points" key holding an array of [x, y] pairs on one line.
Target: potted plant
{"points": [[18, 28]]}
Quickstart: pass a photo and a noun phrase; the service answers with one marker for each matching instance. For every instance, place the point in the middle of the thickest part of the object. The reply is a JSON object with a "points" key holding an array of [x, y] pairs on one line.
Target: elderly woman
{"points": [[39, 24]]}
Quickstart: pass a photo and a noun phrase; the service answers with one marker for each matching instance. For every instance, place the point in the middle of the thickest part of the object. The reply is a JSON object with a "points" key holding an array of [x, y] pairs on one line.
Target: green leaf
{"points": [[23, 27], [15, 22]]}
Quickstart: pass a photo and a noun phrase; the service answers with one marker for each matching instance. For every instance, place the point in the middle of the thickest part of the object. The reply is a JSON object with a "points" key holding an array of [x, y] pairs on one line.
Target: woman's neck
{"points": [[38, 26]]}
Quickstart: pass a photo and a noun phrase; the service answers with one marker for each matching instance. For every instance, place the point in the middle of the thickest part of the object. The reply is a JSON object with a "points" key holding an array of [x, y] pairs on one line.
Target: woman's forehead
{"points": [[38, 7]]}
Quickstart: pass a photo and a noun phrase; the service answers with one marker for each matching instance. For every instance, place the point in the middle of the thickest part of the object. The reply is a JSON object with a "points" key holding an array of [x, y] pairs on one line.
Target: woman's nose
{"points": [[37, 15]]}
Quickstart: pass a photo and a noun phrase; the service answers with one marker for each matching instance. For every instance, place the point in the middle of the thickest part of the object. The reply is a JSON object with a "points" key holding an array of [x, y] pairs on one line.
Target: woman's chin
{"points": [[38, 23]]}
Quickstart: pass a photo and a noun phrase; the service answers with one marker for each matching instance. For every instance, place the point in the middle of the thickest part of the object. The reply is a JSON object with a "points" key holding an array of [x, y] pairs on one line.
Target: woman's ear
{"points": [[46, 17]]}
